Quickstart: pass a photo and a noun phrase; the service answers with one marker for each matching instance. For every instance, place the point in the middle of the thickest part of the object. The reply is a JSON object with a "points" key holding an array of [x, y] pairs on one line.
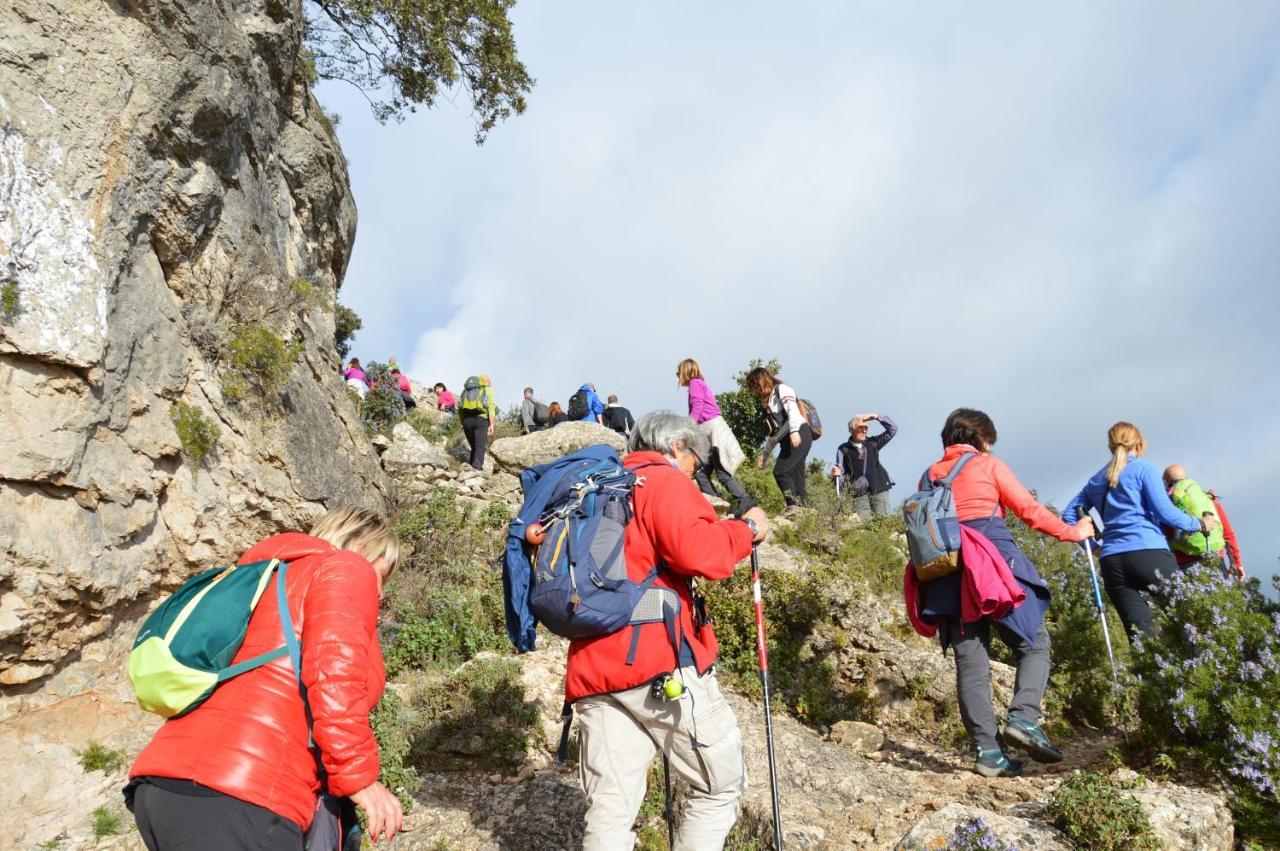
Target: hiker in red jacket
{"points": [[624, 717], [237, 773]]}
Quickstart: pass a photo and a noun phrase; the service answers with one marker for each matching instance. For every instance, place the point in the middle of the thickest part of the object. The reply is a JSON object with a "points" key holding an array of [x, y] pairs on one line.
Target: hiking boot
{"points": [[1031, 738], [993, 763]]}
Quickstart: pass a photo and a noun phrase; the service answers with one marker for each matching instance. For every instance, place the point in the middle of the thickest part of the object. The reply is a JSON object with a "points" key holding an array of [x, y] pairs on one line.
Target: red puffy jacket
{"points": [[674, 524], [249, 739]]}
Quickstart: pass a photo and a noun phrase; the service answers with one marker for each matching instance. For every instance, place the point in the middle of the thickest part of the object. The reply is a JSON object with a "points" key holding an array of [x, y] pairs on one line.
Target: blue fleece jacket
{"points": [[1133, 511], [594, 406]]}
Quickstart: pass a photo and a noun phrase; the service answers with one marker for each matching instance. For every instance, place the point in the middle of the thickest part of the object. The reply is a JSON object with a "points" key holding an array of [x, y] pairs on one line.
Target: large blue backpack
{"points": [[573, 580], [933, 529]]}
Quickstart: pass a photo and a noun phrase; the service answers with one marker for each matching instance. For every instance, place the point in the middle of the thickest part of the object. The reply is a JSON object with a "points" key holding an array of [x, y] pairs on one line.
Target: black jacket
{"points": [[619, 419], [878, 480]]}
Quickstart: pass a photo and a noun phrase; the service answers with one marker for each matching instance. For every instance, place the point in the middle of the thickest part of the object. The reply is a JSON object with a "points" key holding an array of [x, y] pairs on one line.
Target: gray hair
{"points": [[659, 431], [858, 421]]}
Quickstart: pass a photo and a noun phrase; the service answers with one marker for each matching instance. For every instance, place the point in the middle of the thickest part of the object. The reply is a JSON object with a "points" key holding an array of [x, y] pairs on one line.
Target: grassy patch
{"points": [[477, 718], [99, 758], [9, 298], [106, 823]]}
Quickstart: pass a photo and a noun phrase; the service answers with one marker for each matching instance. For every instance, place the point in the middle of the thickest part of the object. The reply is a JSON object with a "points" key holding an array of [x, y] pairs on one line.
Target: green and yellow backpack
{"points": [[184, 649]]}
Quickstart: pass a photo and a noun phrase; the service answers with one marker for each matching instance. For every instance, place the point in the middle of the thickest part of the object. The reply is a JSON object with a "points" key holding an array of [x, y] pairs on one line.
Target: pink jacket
{"points": [[988, 588], [702, 402]]}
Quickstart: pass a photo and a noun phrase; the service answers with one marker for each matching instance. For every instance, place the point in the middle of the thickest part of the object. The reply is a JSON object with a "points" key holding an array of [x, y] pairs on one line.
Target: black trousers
{"points": [[172, 820], [1126, 576], [788, 472], [476, 428], [737, 493]]}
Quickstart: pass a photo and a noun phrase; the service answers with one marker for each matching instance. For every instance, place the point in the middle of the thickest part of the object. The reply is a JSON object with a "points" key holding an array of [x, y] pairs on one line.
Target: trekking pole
{"points": [[763, 653], [1102, 617], [669, 812]]}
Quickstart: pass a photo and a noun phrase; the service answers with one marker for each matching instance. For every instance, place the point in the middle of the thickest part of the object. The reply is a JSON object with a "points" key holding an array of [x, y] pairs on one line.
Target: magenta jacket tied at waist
{"points": [[988, 588]]}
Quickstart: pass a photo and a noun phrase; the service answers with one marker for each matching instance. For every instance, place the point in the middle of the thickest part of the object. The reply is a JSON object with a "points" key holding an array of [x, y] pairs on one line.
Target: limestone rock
{"points": [[410, 451], [1188, 818], [936, 830], [515, 454], [857, 736]]}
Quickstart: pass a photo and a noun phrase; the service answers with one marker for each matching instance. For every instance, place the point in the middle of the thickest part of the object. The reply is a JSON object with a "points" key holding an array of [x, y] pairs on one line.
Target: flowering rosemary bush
{"points": [[973, 834], [1208, 681]]}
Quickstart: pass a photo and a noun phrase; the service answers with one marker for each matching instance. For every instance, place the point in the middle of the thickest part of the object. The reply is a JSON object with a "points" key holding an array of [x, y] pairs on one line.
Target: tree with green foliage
{"points": [[346, 322], [404, 53], [741, 410]]}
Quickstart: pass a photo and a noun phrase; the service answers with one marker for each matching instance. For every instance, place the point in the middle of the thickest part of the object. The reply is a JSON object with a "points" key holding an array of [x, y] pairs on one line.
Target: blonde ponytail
{"points": [[1123, 438]]}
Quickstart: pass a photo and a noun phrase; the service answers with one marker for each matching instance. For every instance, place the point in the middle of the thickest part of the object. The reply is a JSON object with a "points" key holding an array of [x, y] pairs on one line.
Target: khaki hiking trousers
{"points": [[619, 734]]}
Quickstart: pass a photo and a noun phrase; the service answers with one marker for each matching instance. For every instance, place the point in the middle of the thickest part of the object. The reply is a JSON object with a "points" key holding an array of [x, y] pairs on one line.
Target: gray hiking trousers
{"points": [[973, 676], [872, 505]]}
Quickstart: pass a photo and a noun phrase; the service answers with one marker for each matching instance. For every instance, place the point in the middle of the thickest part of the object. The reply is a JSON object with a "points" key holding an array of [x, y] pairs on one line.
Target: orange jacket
{"points": [[676, 525], [249, 739], [986, 486]]}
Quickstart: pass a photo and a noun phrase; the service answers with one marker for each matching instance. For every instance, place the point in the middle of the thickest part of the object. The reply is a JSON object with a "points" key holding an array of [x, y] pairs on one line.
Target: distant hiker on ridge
{"points": [[533, 414], [444, 399], [726, 453], [858, 466], [1191, 498], [585, 405], [479, 414], [789, 428], [618, 418]]}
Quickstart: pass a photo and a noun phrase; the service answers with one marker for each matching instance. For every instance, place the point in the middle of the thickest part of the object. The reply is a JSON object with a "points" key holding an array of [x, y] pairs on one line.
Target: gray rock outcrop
{"points": [[514, 454], [165, 174]]}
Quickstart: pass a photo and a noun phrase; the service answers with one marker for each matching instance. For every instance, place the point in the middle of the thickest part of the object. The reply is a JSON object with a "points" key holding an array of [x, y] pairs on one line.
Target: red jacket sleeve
{"points": [[1229, 535], [687, 535], [1015, 497], [340, 615]]}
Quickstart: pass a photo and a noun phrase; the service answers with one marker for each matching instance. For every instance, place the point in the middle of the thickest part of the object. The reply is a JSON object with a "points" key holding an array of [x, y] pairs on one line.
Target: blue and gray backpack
{"points": [[565, 564], [933, 529]]}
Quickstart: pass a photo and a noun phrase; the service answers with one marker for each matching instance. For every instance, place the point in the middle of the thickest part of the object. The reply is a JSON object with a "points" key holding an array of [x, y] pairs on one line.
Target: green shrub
{"points": [[346, 322], [9, 298], [383, 405], [759, 483], [98, 758], [259, 362], [391, 723], [742, 412], [865, 554], [1096, 815], [445, 604], [197, 432], [477, 718], [307, 294], [1207, 685], [106, 823]]}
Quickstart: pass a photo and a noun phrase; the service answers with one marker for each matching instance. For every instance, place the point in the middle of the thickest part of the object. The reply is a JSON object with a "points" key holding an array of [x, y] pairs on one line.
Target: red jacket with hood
{"points": [[676, 525], [249, 739]]}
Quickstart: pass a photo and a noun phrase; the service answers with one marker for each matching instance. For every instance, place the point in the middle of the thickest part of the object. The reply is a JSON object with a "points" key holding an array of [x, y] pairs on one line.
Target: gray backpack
{"points": [[933, 529]]}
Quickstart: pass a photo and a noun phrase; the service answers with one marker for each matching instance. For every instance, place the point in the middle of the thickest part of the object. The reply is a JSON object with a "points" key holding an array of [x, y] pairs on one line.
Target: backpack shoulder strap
{"points": [[957, 467]]}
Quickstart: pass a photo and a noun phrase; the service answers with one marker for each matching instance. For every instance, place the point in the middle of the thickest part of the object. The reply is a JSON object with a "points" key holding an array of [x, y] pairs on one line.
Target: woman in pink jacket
{"points": [[984, 489], [726, 453]]}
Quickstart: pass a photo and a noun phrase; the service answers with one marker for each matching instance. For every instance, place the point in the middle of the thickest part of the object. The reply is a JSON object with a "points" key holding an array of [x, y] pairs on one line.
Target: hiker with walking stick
{"points": [[953, 596], [649, 688], [1129, 496]]}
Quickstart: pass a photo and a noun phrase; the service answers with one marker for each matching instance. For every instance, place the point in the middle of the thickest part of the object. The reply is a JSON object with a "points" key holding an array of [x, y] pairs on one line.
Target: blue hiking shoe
{"points": [[1032, 739], [993, 763]]}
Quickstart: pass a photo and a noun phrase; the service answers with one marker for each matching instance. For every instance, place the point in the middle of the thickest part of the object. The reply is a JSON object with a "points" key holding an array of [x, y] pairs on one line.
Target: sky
{"points": [[1065, 216]]}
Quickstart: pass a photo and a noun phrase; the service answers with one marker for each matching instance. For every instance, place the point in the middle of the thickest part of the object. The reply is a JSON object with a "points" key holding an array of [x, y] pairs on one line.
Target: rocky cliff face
{"points": [[165, 176]]}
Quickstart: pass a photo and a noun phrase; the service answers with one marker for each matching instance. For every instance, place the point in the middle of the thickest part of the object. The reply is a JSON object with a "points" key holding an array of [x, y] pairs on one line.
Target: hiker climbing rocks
{"points": [[445, 400], [355, 378], [618, 418], [585, 405], [237, 771], [479, 414], [995, 575], [1130, 499], [726, 454], [622, 685], [533, 414], [858, 465], [404, 387], [1187, 495], [788, 427]]}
